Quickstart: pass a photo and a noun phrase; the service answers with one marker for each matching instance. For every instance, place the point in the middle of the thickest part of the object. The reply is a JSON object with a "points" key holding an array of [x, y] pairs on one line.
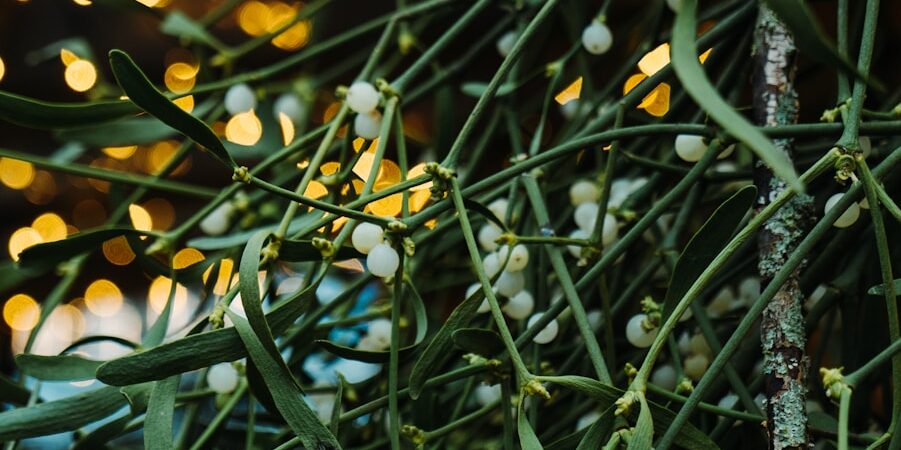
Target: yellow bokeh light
{"points": [[16, 174], [632, 82], [159, 156], [364, 165], [88, 213], [222, 277], [50, 226], [389, 206], [186, 103], [418, 200], [180, 77], [187, 257], [330, 168], [119, 152], [244, 128], [82, 2], [81, 75], [287, 127], [21, 312], [158, 294], [42, 189], [67, 57], [252, 17], [279, 15], [103, 298], [118, 252], [703, 57], [2, 68], [140, 218], [294, 37], [657, 102], [389, 172], [315, 190], [416, 171], [154, 3], [21, 239], [330, 112], [654, 60], [572, 92], [161, 212]]}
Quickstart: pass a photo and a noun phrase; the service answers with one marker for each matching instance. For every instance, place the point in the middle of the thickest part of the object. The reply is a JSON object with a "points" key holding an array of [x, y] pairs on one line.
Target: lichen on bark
{"points": [[782, 323]]}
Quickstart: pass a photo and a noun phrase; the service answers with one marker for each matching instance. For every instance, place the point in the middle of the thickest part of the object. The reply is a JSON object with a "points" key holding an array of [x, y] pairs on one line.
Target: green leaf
{"points": [[439, 347], [599, 432], [479, 341], [32, 113], [335, 420], [157, 332], [58, 368], [382, 357], [12, 392], [643, 434], [879, 289], [249, 285], [527, 438], [147, 97], [62, 415], [199, 350], [158, 420], [303, 250], [689, 71], [706, 244], [181, 26], [812, 41], [42, 256], [285, 391], [689, 436]]}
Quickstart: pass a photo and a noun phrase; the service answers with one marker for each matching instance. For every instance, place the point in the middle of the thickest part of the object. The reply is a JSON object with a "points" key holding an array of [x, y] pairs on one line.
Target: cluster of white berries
{"points": [[382, 259], [691, 147], [597, 38], [848, 217], [584, 195], [378, 336], [363, 98], [697, 355], [222, 378]]}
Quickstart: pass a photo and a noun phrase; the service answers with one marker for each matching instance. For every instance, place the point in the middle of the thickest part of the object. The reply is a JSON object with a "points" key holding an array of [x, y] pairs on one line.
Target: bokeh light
{"points": [[21, 312], [16, 174], [120, 152], [187, 257], [223, 276], [118, 252], [50, 226], [140, 218], [21, 239], [244, 128], [103, 298], [81, 75]]}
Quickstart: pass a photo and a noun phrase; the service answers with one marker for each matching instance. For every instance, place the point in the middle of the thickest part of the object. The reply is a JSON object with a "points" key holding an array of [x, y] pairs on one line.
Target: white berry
{"points": [[749, 290], [597, 38], [866, 147], [619, 192], [520, 305], [383, 260], [505, 43], [240, 98], [684, 343], [362, 97], [366, 236], [665, 377], [698, 344], [368, 125], [499, 208], [690, 147], [222, 378], [586, 215], [584, 191], [492, 264], [848, 217], [576, 250], [218, 220], [721, 303], [595, 319], [610, 231], [518, 259], [488, 235], [487, 394], [637, 335], [547, 334], [695, 366], [510, 283], [289, 105]]}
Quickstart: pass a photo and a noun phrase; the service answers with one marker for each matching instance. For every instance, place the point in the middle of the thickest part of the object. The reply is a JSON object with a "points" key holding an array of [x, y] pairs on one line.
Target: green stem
{"points": [[221, 416], [851, 116], [393, 357], [843, 408]]}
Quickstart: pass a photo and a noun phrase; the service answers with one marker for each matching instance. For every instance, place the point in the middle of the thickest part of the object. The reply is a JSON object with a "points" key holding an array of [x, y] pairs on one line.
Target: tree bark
{"points": [[782, 325]]}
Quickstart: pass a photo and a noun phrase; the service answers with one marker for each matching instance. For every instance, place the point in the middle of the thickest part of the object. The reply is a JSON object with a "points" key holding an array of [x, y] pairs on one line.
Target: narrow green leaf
{"points": [[179, 25], [812, 41], [104, 433], [158, 420], [11, 275], [249, 285], [198, 350], [599, 432], [32, 113], [479, 341], [879, 289], [285, 391], [62, 415], [157, 332], [12, 392], [58, 368], [643, 434], [527, 438], [439, 347], [405, 352], [138, 396], [335, 420], [689, 436], [689, 71], [706, 244], [570, 441], [42, 256], [303, 250], [142, 92]]}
